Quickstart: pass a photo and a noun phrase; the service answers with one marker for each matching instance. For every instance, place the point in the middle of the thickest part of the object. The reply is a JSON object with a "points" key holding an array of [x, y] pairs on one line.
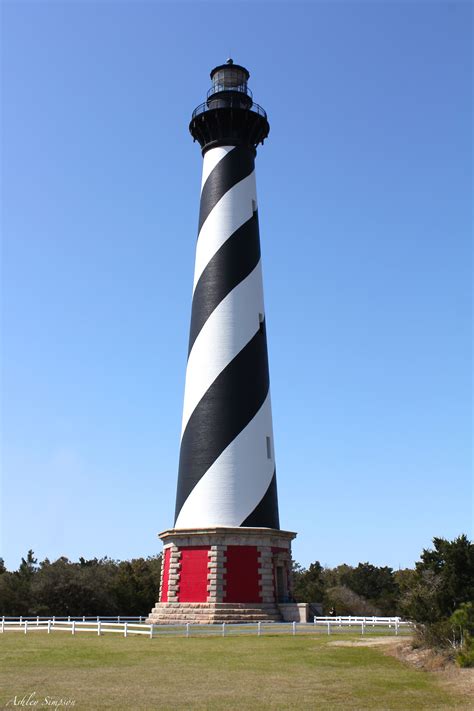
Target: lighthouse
{"points": [[226, 558]]}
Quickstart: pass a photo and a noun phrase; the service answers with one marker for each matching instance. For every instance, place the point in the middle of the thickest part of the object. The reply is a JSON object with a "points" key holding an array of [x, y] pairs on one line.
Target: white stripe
{"points": [[233, 209], [211, 159], [233, 486], [227, 330]]}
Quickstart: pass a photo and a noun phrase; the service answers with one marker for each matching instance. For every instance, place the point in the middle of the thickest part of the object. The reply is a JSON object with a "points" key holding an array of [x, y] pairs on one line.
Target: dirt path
{"points": [[367, 642], [451, 677]]}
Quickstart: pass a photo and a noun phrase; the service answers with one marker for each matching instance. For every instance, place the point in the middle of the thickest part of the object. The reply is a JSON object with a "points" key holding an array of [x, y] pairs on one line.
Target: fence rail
{"points": [[100, 627], [359, 618], [339, 623], [73, 626]]}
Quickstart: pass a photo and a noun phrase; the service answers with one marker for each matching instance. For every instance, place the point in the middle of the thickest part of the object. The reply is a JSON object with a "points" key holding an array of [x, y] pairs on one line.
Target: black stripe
{"points": [[231, 169], [265, 514], [230, 403], [232, 263]]}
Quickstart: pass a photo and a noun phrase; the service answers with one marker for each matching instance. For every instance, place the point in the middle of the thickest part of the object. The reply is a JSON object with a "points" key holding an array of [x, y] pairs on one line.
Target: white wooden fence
{"points": [[332, 622], [82, 618], [100, 627], [359, 618], [73, 626]]}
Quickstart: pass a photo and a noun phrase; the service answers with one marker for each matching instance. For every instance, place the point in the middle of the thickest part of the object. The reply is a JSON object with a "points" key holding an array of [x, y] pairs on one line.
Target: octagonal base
{"points": [[223, 575]]}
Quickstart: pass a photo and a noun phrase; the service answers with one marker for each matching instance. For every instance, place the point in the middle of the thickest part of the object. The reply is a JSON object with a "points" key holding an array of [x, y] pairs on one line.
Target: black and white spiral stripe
{"points": [[227, 468]]}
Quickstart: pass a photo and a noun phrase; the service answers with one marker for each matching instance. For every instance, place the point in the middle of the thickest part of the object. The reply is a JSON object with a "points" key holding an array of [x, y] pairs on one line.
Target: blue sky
{"points": [[365, 189]]}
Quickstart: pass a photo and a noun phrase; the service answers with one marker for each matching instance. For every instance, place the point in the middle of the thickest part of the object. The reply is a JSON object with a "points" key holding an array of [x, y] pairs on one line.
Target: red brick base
{"points": [[224, 574]]}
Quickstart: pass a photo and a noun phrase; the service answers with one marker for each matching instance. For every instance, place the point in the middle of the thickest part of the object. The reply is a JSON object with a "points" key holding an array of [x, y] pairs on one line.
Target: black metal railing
{"points": [[222, 86], [232, 103]]}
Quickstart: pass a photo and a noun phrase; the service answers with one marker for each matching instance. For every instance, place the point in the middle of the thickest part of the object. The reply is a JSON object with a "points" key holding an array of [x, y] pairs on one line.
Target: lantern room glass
{"points": [[229, 78]]}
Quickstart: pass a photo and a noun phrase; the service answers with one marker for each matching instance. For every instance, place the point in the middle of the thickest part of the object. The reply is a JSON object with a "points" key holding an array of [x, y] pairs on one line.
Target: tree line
{"points": [[89, 587], [441, 580], [437, 594]]}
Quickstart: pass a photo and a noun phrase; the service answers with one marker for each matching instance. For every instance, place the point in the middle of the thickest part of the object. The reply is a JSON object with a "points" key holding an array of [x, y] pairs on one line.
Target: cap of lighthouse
{"points": [[227, 460]]}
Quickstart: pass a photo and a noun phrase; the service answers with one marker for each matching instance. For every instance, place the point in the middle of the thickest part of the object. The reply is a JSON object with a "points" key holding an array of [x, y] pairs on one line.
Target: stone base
{"points": [[294, 611], [223, 575], [208, 613]]}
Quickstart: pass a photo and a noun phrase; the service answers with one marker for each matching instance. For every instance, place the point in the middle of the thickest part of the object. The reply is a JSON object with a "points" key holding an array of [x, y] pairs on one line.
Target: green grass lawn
{"points": [[242, 673]]}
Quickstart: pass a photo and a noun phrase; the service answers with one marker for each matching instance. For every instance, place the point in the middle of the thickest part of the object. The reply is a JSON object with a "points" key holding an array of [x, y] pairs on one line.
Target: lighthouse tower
{"points": [[226, 558]]}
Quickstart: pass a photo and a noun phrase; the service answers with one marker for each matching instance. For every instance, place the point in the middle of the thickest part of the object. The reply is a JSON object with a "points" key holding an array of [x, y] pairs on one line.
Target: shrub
{"points": [[438, 635], [463, 618], [465, 657], [345, 601]]}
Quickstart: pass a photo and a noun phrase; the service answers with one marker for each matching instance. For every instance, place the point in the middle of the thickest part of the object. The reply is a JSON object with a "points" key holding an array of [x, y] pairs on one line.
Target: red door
{"points": [[242, 581], [193, 574]]}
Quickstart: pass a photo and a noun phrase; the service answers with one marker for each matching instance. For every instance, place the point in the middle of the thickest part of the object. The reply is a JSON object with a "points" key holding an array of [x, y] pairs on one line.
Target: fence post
{"points": [[69, 618], [74, 627], [294, 627], [98, 620], [98, 628], [118, 618], [223, 629], [37, 620], [329, 627], [54, 619], [140, 620], [83, 618], [259, 629], [26, 626], [362, 625], [49, 626], [21, 619], [125, 629], [187, 629], [3, 624], [396, 626], [151, 630]]}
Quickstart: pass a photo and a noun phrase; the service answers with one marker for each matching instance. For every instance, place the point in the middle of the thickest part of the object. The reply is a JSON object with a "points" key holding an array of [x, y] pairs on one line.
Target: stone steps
{"points": [[208, 613], [198, 613], [223, 618], [216, 605], [211, 620]]}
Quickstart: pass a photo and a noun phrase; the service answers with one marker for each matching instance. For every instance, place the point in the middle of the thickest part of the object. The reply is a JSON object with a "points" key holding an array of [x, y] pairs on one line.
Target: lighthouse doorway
{"points": [[281, 584]]}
